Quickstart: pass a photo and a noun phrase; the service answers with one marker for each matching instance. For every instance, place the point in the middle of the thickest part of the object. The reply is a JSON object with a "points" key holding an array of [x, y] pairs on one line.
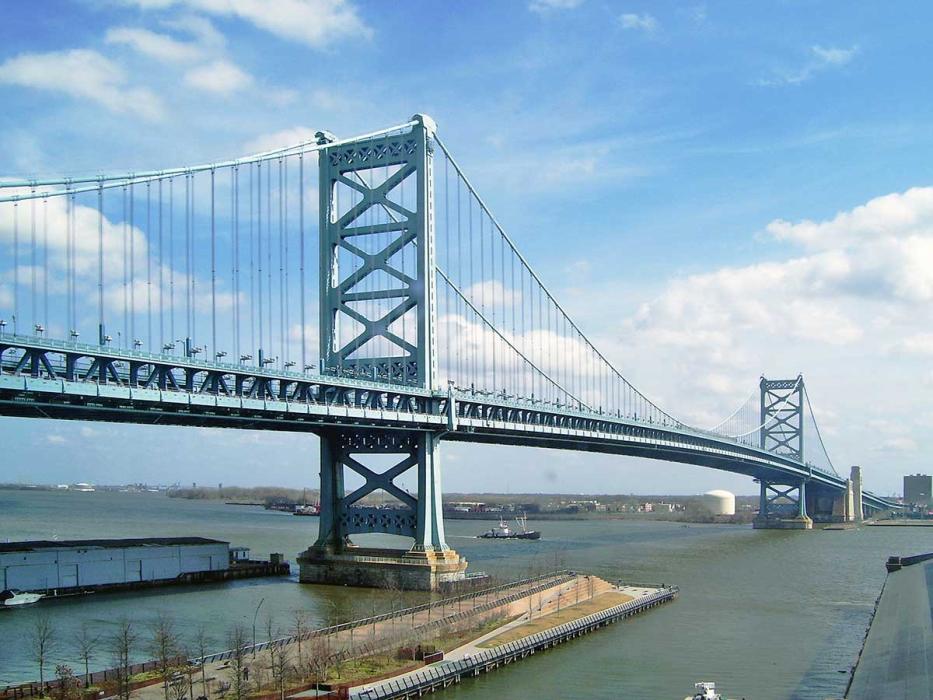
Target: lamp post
{"points": [[255, 614]]}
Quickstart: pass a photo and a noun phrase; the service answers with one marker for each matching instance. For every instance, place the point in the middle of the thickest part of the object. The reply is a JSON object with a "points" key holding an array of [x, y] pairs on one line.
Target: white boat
{"points": [[704, 690], [12, 598], [83, 488]]}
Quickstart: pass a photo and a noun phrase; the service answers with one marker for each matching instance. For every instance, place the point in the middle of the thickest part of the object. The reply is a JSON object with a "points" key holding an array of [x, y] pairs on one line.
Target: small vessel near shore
{"points": [[305, 509], [12, 598], [705, 690], [503, 532]]}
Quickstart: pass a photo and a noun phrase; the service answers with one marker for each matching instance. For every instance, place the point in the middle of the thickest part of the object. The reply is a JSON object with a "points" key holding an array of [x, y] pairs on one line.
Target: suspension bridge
{"points": [[362, 290]]}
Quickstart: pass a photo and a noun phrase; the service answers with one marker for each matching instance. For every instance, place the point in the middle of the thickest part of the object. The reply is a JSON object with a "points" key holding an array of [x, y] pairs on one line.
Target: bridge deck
{"points": [[897, 659]]}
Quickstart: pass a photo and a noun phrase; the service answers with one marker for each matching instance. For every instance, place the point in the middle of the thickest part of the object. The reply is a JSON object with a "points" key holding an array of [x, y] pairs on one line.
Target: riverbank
{"points": [[411, 648]]}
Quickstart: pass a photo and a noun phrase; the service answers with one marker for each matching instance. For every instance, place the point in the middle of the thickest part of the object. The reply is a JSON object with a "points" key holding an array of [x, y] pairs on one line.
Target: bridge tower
{"points": [[378, 323], [783, 500]]}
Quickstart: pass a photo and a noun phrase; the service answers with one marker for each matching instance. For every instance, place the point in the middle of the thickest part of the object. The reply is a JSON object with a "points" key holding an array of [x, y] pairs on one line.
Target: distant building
{"points": [[917, 489], [46, 565]]}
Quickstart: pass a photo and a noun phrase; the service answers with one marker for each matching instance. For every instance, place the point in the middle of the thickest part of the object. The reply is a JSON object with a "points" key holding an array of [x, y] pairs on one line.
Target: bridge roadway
{"points": [[71, 381]]}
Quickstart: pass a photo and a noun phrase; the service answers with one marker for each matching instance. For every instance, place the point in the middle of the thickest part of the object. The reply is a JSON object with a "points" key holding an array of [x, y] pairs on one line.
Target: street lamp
{"points": [[261, 601]]}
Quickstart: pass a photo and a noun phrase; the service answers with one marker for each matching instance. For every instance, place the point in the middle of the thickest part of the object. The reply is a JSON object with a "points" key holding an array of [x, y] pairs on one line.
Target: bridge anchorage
{"points": [[432, 327]]}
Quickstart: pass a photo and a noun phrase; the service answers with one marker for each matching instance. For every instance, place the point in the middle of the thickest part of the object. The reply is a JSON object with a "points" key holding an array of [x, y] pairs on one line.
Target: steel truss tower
{"points": [[782, 503], [378, 322]]}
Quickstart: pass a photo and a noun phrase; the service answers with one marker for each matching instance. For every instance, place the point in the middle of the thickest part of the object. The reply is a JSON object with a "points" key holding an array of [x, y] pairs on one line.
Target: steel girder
{"points": [[41, 378]]}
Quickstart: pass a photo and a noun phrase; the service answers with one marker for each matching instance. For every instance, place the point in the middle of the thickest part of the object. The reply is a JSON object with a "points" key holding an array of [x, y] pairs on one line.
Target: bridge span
{"points": [[431, 327]]}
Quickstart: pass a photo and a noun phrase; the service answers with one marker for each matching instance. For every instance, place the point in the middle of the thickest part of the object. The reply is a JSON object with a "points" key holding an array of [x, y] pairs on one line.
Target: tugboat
{"points": [[704, 691], [12, 598], [504, 532]]}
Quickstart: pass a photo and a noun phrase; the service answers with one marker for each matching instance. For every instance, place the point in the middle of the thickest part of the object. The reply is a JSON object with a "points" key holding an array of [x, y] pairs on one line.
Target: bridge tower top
{"points": [[782, 417], [378, 309]]}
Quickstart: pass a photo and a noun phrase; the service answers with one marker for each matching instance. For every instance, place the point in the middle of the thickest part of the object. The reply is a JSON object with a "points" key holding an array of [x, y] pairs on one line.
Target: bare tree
{"points": [[299, 629], [163, 645], [237, 643], [42, 644], [200, 643], [122, 644], [86, 642]]}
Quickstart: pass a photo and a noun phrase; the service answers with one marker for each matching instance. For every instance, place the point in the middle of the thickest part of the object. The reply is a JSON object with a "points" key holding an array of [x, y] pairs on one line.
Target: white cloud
{"points": [[820, 59], [158, 46], [834, 56], [898, 444], [55, 439], [84, 74], [545, 5], [858, 288], [317, 23], [644, 23], [918, 344], [221, 77]]}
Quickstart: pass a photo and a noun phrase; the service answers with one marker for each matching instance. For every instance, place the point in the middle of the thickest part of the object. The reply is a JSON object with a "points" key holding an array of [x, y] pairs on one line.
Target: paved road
{"points": [[897, 660]]}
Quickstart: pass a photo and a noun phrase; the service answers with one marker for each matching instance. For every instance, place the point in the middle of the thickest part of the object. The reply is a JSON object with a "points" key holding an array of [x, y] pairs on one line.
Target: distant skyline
{"points": [[715, 191]]}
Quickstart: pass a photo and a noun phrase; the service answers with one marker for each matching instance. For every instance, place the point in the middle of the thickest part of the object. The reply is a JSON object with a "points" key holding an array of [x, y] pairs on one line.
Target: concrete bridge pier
{"points": [[782, 507], [379, 457]]}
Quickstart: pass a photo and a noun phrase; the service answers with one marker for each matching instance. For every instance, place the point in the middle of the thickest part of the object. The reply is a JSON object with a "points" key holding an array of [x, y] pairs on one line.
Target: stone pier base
{"points": [[798, 523], [381, 568]]}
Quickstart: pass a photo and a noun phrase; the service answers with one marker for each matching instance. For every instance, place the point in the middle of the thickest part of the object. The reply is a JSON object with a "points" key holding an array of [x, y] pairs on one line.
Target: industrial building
{"points": [[917, 489], [67, 565], [719, 502]]}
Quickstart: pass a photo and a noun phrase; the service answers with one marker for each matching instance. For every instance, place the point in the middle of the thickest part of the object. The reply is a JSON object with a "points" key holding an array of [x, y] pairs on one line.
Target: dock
{"points": [[897, 655]]}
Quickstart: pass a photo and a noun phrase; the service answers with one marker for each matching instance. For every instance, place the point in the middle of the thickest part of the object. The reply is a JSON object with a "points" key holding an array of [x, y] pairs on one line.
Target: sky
{"points": [[715, 191]]}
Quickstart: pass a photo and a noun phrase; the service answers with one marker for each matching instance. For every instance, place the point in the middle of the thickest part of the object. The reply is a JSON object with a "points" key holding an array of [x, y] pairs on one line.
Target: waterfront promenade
{"points": [[475, 631]]}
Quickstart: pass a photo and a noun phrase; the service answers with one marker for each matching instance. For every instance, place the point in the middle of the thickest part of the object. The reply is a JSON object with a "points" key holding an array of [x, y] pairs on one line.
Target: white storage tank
{"points": [[719, 502]]}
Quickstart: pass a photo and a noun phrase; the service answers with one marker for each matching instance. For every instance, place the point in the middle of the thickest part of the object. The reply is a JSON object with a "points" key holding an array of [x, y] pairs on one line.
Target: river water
{"points": [[765, 614]]}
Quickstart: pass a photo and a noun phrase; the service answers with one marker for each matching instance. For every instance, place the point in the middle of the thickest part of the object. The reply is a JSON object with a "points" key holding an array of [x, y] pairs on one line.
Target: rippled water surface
{"points": [[766, 614]]}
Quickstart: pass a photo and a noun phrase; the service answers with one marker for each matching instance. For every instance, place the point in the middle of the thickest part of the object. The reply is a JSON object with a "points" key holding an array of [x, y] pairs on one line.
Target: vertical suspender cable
{"points": [[161, 289], [301, 253], [15, 263], [282, 357], [269, 249], [252, 267], [72, 274], [194, 264], [132, 339], [259, 248], [188, 255], [100, 260], [149, 266], [171, 258], [287, 309], [126, 291], [45, 262], [213, 355], [235, 271], [34, 265]]}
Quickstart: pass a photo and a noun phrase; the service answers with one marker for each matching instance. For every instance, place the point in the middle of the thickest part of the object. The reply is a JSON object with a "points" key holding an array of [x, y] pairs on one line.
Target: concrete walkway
{"points": [[544, 606], [897, 660], [402, 624]]}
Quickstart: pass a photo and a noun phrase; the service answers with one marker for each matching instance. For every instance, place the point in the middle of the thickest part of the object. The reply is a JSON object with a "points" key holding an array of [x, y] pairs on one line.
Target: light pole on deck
{"points": [[255, 614]]}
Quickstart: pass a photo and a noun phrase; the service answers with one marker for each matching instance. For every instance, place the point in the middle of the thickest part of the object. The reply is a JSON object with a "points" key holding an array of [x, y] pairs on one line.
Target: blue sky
{"points": [[746, 185]]}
